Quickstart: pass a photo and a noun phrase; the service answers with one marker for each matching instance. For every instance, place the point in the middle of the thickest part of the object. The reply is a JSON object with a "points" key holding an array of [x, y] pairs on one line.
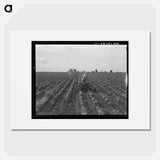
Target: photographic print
{"points": [[80, 79]]}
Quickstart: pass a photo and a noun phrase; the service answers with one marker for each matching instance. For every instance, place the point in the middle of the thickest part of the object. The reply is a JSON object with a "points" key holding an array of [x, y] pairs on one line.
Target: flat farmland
{"points": [[81, 93]]}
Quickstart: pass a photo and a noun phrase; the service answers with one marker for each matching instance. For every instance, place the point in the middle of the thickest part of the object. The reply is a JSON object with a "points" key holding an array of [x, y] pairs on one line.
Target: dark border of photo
{"points": [[33, 79]]}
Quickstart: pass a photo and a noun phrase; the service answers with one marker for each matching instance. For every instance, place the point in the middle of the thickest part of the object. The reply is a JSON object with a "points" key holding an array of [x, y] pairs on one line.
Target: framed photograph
{"points": [[80, 79]]}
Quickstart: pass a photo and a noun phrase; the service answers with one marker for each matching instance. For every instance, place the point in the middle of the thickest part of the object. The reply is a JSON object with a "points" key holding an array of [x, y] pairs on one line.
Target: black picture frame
{"points": [[33, 79]]}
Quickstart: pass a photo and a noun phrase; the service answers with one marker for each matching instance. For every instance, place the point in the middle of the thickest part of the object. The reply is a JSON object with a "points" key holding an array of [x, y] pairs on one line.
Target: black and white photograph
{"points": [[80, 79]]}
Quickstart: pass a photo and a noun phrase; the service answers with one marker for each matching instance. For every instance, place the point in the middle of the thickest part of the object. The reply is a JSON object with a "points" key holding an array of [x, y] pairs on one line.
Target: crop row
{"points": [[69, 94]]}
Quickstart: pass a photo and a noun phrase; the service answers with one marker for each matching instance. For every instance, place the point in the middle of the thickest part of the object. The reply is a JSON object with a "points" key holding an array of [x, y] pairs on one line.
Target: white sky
{"points": [[60, 58]]}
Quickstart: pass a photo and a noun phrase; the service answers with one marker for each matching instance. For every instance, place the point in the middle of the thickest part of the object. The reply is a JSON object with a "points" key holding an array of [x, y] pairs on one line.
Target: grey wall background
{"points": [[80, 17]]}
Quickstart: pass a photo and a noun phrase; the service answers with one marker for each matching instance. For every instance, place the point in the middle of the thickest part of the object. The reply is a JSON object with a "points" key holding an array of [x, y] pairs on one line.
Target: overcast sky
{"points": [[60, 58]]}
